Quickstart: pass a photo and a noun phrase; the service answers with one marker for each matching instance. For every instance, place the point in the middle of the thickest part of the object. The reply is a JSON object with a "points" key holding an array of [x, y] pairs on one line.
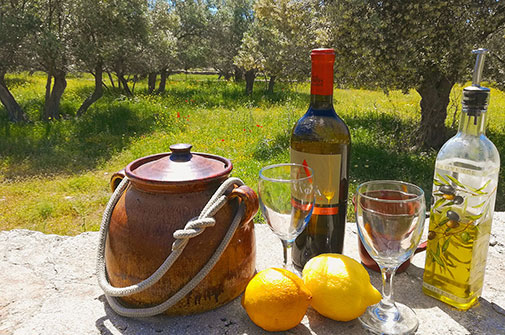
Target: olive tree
{"points": [[496, 60], [407, 44], [191, 34], [124, 51], [279, 43], [228, 24], [94, 31], [50, 47], [160, 51], [17, 21]]}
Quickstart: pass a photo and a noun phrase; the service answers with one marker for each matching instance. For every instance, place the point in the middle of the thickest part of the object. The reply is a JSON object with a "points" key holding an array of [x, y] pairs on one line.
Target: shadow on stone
{"points": [[484, 315], [322, 325], [118, 322], [227, 319]]}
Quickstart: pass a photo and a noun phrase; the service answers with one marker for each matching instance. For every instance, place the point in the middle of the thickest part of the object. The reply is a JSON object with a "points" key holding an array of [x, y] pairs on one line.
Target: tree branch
{"points": [[498, 58]]}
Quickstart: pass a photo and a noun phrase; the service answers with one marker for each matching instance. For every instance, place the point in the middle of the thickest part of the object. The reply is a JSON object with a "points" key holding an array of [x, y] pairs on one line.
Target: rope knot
{"points": [[193, 228]]}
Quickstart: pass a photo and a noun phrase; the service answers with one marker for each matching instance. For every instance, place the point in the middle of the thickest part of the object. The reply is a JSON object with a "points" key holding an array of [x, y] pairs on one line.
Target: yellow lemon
{"points": [[340, 286], [276, 299]]}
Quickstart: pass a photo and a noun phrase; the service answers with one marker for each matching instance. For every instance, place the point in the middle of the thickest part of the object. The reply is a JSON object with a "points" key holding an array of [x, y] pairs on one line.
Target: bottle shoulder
{"points": [[478, 150], [321, 124]]}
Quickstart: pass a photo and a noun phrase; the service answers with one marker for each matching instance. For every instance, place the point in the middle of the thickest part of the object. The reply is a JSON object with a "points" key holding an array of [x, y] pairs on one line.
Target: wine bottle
{"points": [[321, 140], [464, 194]]}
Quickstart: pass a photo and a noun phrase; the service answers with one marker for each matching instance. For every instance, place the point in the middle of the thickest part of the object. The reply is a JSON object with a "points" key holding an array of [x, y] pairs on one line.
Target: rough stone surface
{"points": [[48, 286]]}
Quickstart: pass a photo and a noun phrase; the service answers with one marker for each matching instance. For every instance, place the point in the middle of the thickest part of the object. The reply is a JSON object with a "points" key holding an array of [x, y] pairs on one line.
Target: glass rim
{"points": [[284, 180], [398, 182]]}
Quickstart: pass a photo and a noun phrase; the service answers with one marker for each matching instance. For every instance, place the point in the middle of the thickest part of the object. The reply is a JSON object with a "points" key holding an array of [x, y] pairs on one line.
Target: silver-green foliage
{"points": [[407, 44], [281, 37]]}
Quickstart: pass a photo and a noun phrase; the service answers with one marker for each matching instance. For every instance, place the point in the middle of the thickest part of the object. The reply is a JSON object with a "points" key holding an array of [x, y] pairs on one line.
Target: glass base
{"points": [[401, 321]]}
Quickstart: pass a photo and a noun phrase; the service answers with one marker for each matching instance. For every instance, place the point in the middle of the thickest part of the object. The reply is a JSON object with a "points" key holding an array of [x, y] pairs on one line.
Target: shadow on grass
{"points": [[267, 150], [382, 149], [371, 162], [70, 146], [209, 93], [230, 95]]}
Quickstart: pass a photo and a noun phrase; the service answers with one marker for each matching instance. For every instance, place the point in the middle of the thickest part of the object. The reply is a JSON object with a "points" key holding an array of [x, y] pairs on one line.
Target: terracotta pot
{"points": [[166, 191]]}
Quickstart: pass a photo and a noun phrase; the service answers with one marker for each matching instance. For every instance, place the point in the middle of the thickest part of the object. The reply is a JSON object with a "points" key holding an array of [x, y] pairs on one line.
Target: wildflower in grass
{"points": [[178, 115], [186, 100]]}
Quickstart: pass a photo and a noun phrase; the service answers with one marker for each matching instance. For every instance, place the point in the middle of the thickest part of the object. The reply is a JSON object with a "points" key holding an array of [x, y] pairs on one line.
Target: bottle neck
{"points": [[321, 101], [321, 83], [472, 122]]}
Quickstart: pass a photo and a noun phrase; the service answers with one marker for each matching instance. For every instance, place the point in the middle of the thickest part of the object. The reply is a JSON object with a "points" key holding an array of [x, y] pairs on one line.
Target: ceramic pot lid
{"points": [[178, 167]]}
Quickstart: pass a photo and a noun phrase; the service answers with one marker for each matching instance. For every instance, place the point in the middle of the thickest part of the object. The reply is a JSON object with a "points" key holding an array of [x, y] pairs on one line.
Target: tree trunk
{"points": [[124, 84], [135, 79], [271, 84], [226, 75], [97, 93], [435, 95], [151, 82], [249, 81], [111, 79], [239, 75], [47, 97], [52, 103], [163, 80], [14, 111]]}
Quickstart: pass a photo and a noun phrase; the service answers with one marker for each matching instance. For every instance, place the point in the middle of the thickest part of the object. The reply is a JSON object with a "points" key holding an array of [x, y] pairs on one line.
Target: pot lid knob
{"points": [[181, 152], [181, 166]]}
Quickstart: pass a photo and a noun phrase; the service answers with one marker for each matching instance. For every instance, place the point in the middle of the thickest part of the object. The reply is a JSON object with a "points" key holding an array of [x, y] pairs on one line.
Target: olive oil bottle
{"points": [[463, 199], [322, 140]]}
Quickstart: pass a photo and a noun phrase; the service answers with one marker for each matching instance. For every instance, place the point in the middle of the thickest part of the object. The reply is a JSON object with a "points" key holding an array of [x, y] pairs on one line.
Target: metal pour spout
{"points": [[479, 66]]}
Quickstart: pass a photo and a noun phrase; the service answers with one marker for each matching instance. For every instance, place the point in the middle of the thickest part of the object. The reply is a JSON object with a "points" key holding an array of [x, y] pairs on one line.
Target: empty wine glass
{"points": [[390, 217], [286, 195]]}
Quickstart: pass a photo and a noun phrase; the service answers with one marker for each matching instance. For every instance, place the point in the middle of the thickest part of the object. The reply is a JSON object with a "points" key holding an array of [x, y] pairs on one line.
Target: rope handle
{"points": [[193, 228]]}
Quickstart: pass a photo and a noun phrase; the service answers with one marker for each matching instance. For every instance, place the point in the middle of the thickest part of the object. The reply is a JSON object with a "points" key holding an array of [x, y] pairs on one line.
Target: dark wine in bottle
{"points": [[321, 140]]}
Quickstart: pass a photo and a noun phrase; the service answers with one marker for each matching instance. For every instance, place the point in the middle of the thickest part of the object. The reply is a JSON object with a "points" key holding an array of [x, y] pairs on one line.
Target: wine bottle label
{"points": [[326, 179]]}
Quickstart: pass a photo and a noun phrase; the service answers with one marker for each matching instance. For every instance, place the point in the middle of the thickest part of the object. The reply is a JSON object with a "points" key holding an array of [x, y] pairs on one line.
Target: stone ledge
{"points": [[49, 287]]}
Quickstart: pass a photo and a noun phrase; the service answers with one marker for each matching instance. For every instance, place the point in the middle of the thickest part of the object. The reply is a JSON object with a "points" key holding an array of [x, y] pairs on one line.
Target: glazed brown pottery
{"points": [[166, 190]]}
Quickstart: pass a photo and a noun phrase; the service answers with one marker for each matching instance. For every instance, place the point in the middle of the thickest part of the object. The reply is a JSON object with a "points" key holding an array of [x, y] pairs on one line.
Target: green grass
{"points": [[54, 175]]}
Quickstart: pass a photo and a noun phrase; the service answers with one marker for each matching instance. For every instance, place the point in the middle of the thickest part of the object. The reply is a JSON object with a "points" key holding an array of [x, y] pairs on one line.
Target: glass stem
{"points": [[386, 309], [287, 254], [387, 285]]}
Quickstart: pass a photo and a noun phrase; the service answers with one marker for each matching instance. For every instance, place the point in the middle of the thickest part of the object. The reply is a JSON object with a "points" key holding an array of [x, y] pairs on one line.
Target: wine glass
{"points": [[286, 195], [390, 217]]}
